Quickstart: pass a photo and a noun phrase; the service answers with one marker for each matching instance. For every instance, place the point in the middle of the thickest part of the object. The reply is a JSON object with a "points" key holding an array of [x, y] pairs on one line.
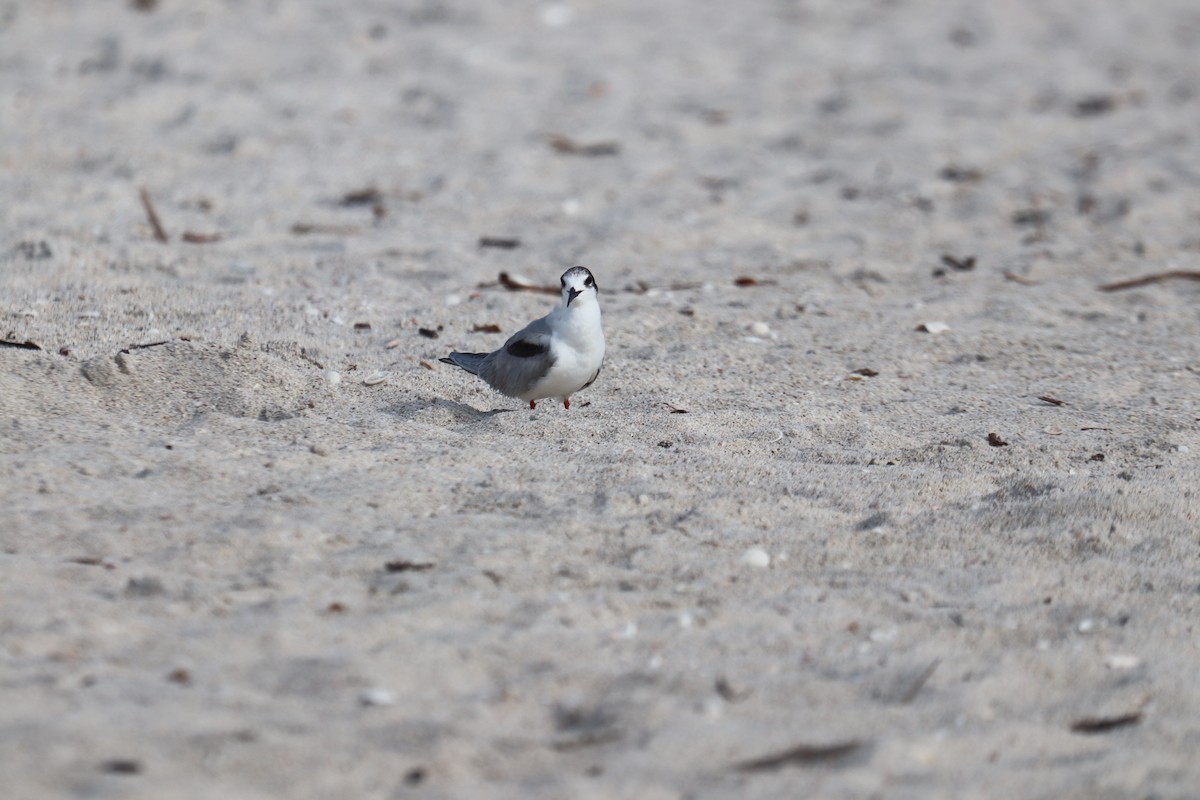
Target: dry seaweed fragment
{"points": [[1104, 724], [517, 283], [961, 264], [368, 195], [500, 242], [25, 345]]}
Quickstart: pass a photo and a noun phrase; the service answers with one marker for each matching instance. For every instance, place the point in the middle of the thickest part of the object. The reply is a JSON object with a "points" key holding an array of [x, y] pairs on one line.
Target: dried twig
{"points": [[568, 146], [305, 228], [1146, 280], [801, 755], [152, 215], [192, 237], [132, 347]]}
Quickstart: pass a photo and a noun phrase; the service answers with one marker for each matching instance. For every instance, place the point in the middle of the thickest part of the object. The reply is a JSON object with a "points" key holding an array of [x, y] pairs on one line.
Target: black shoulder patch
{"points": [[526, 349]]}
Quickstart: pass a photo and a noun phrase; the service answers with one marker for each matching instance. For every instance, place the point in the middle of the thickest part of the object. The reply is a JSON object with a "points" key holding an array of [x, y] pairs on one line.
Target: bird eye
{"points": [[589, 282]]}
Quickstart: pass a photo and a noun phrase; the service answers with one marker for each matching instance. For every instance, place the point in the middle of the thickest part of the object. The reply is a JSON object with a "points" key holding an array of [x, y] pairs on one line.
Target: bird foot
{"points": [[567, 403], [532, 404]]}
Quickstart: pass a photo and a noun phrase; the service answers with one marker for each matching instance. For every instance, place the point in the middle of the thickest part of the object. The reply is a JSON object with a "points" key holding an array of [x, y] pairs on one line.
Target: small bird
{"points": [[554, 356]]}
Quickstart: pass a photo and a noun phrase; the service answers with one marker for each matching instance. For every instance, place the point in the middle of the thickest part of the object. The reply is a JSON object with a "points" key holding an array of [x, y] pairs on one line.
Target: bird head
{"points": [[578, 286]]}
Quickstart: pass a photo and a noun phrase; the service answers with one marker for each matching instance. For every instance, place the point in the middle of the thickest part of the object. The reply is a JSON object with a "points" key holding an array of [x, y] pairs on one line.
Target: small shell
{"points": [[377, 377], [756, 557]]}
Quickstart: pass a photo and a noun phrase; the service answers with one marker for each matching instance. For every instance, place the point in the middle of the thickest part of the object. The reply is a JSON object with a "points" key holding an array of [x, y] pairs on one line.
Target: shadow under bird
{"points": [[554, 356]]}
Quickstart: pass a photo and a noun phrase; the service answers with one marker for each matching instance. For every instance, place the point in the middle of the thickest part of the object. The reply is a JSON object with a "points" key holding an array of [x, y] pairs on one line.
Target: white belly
{"points": [[578, 350], [572, 370]]}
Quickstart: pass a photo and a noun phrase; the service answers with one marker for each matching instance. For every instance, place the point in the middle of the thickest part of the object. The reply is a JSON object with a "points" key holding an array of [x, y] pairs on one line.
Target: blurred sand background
{"points": [[230, 568]]}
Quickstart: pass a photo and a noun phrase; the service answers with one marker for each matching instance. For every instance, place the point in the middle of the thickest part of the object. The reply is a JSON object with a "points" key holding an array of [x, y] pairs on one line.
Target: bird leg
{"points": [[532, 404], [567, 403]]}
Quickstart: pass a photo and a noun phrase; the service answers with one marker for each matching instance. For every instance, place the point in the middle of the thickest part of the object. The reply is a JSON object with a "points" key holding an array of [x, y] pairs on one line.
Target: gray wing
{"points": [[523, 361]]}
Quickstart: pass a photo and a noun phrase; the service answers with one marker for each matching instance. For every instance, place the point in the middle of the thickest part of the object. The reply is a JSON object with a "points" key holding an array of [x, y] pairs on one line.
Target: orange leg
{"points": [[532, 404], [567, 403]]}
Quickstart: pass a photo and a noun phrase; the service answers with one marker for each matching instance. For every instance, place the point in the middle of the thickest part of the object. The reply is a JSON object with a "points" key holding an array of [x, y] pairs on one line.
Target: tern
{"points": [[554, 356]]}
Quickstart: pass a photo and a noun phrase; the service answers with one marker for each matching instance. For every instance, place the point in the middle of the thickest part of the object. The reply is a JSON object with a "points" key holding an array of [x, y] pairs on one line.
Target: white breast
{"points": [[578, 349]]}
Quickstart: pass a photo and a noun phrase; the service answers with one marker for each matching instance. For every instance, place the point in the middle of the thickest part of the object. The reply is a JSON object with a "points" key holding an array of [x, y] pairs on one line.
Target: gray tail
{"points": [[471, 362]]}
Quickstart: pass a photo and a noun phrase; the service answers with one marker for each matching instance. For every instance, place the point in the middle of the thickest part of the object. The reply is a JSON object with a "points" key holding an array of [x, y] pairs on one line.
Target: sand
{"points": [[771, 552]]}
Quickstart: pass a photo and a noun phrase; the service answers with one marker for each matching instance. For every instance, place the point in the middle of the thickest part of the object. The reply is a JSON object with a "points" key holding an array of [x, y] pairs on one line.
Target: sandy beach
{"points": [[889, 488]]}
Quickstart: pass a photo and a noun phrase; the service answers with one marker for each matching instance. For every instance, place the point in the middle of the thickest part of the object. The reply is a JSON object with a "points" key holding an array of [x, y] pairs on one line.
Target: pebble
{"points": [[756, 557], [377, 377], [376, 697], [1183, 448], [319, 450], [334, 377], [933, 327], [1087, 625], [759, 329]]}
